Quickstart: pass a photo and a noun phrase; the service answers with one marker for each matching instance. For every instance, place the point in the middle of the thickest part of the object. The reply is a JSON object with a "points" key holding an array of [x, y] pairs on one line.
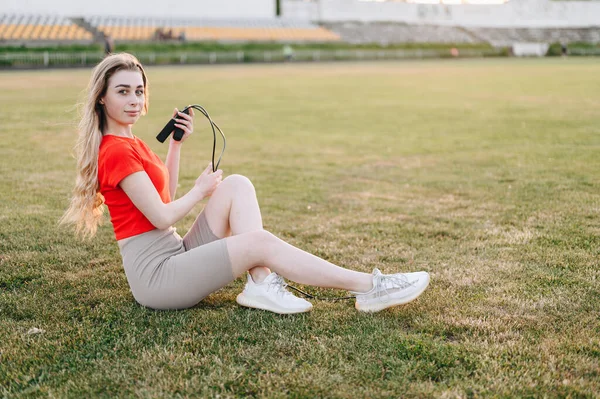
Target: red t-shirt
{"points": [[118, 158]]}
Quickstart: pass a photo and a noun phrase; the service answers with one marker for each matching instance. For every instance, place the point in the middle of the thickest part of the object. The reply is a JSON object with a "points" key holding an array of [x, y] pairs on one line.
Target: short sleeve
{"points": [[118, 161]]}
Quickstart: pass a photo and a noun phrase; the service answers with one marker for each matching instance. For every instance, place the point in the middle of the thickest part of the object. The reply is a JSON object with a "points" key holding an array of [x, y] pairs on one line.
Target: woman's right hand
{"points": [[208, 181]]}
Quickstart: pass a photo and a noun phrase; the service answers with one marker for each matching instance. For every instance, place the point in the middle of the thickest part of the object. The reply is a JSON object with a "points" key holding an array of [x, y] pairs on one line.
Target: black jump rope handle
{"points": [[178, 132], [170, 126]]}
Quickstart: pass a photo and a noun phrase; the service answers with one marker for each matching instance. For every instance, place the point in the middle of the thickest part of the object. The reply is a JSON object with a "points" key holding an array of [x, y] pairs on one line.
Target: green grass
{"points": [[482, 172]]}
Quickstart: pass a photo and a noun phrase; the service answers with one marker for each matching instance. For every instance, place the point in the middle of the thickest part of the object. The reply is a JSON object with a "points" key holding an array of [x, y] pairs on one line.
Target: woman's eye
{"points": [[123, 92], [139, 92]]}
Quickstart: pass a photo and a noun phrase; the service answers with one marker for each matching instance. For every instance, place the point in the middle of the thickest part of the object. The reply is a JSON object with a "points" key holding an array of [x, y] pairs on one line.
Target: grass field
{"points": [[484, 173]]}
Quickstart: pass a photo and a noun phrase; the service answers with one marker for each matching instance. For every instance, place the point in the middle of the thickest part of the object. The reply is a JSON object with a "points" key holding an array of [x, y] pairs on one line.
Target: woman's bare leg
{"points": [[263, 248], [233, 209]]}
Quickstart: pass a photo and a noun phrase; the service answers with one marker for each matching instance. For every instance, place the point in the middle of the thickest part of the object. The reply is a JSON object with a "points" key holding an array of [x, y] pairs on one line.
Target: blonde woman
{"points": [[227, 239]]}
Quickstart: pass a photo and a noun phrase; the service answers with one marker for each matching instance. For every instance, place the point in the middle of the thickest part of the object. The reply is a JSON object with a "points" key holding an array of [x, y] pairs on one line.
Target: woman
{"points": [[227, 239]]}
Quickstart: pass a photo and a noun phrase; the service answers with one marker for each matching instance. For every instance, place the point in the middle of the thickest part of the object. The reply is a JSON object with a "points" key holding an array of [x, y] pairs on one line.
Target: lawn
{"points": [[485, 173]]}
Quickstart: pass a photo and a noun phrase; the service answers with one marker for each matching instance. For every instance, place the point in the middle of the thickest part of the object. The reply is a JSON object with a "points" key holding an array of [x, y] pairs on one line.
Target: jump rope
{"points": [[178, 135]]}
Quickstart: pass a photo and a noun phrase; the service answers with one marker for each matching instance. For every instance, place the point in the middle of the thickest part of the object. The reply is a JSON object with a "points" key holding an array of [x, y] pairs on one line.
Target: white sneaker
{"points": [[272, 295], [391, 290]]}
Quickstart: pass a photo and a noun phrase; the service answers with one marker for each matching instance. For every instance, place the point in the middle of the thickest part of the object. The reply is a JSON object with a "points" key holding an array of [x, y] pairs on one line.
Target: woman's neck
{"points": [[117, 129]]}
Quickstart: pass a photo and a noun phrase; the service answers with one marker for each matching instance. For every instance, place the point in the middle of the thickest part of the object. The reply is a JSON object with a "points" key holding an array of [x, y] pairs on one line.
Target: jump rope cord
{"points": [[216, 166], [319, 298], [213, 125]]}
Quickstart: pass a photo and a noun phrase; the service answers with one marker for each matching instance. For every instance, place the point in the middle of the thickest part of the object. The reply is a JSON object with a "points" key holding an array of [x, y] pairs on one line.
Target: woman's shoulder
{"points": [[112, 146]]}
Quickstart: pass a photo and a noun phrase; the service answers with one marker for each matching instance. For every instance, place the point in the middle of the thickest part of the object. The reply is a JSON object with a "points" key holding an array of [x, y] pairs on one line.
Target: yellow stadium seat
{"points": [[58, 31], [35, 34], [6, 31], [126, 32], [122, 32], [27, 32], [10, 34], [13, 31], [137, 32], [111, 30], [45, 32], [62, 32], [149, 32], [76, 33], [18, 33], [53, 35], [70, 33], [50, 32], [81, 34]]}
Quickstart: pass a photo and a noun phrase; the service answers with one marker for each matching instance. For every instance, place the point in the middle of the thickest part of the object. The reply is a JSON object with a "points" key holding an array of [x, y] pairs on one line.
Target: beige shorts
{"points": [[166, 271]]}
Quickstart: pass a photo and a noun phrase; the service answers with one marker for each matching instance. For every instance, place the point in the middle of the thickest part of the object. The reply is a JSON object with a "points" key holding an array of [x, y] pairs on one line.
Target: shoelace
{"points": [[381, 285], [279, 285]]}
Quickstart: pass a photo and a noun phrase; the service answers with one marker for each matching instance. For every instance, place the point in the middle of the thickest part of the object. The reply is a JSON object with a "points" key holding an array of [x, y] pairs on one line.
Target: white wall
{"points": [[144, 8], [301, 10], [515, 13]]}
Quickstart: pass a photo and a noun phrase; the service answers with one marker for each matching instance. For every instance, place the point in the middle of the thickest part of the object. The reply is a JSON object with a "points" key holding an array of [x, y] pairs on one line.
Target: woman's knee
{"points": [[239, 183], [232, 186], [253, 248], [263, 244]]}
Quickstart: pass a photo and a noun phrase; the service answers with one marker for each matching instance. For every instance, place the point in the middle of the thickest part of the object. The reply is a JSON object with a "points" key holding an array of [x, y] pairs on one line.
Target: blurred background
{"points": [[38, 33]]}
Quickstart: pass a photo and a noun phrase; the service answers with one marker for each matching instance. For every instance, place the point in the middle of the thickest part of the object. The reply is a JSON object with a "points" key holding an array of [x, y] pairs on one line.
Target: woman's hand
{"points": [[208, 181], [185, 122]]}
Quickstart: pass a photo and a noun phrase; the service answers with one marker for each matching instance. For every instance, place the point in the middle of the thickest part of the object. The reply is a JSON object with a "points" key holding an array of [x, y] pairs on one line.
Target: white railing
{"points": [[56, 59], [592, 51]]}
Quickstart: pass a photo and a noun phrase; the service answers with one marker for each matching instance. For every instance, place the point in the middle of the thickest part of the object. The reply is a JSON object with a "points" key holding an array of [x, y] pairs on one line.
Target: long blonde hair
{"points": [[87, 203]]}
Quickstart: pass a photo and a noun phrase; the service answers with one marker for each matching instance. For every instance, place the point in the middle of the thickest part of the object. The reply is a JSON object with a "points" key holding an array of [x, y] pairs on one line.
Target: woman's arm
{"points": [[172, 164], [185, 122], [143, 194]]}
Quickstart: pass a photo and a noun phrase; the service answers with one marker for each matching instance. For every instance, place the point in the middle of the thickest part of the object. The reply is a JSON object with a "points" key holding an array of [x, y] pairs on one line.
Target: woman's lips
{"points": [[132, 113]]}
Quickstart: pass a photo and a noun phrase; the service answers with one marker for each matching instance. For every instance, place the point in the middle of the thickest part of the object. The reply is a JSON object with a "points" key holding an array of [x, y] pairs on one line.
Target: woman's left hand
{"points": [[185, 122]]}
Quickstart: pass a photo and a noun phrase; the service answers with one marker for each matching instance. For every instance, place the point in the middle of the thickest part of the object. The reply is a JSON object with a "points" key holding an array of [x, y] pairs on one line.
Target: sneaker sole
{"points": [[376, 307], [252, 303]]}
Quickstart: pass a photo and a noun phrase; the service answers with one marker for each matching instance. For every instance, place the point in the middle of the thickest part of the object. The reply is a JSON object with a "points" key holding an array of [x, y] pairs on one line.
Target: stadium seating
{"points": [[506, 36], [131, 29], [398, 32], [46, 28], [42, 28], [21, 28]]}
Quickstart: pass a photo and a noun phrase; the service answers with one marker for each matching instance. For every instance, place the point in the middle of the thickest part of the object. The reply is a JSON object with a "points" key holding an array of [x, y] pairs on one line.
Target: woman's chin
{"points": [[130, 120]]}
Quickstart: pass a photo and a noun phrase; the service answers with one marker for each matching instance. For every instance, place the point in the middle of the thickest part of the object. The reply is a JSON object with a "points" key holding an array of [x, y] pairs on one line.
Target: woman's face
{"points": [[124, 98]]}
